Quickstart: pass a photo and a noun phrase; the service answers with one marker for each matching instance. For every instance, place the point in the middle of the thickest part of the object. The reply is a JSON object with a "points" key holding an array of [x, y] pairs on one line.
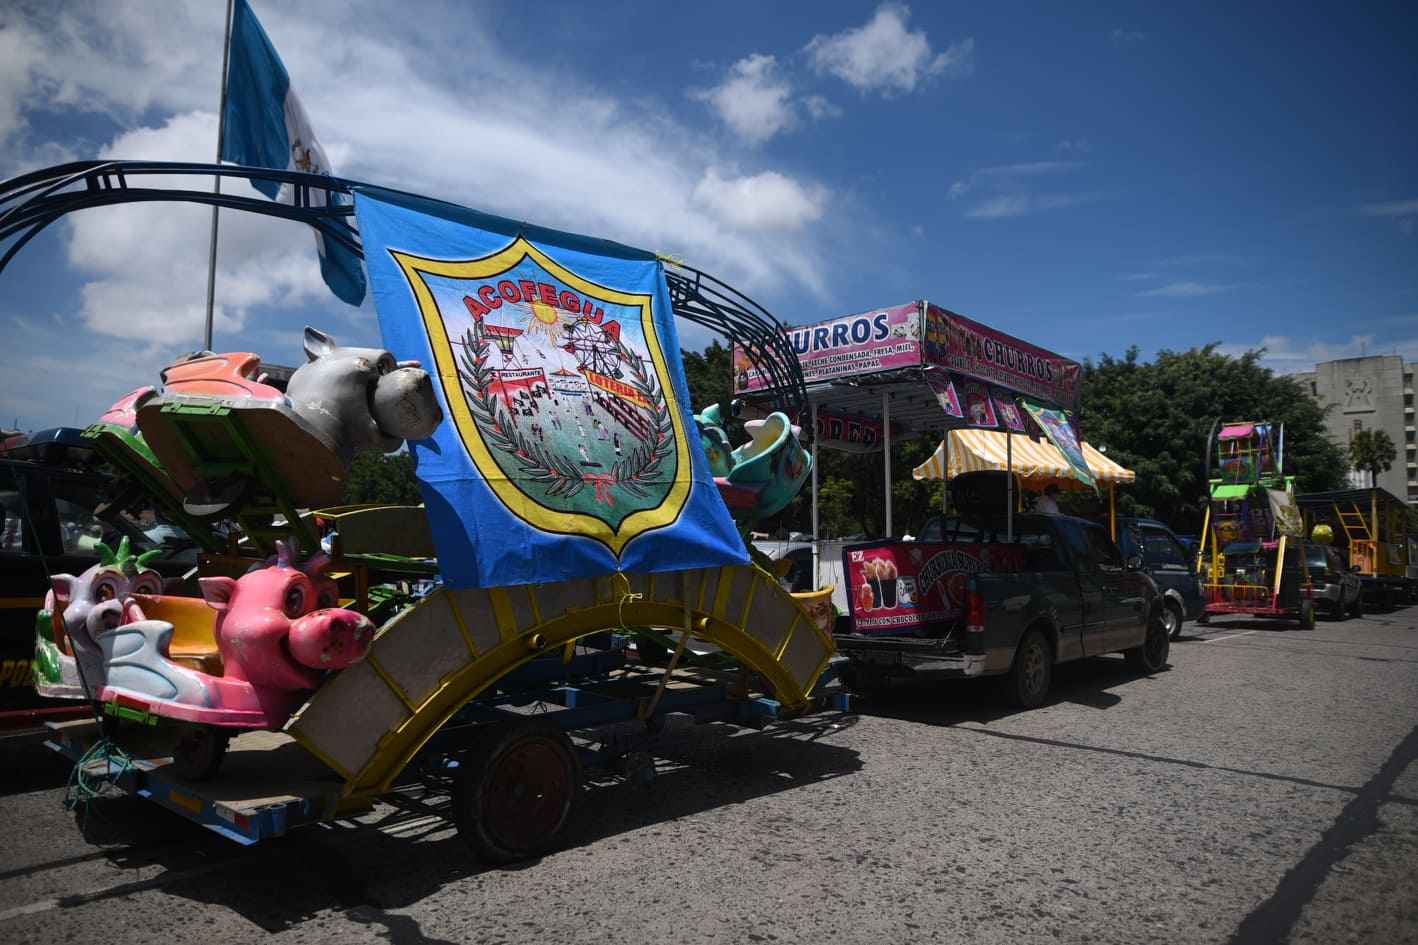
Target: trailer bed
{"points": [[268, 783]]}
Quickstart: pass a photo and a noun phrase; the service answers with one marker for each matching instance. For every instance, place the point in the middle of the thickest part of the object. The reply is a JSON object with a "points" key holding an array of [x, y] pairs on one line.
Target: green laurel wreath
{"points": [[636, 471]]}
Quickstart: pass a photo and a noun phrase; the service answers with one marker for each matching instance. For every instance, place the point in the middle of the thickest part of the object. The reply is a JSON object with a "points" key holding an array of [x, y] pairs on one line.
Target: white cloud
{"points": [[19, 54], [1003, 190], [883, 55], [59, 57], [1288, 355], [445, 113], [819, 107], [1394, 208], [1205, 259], [1006, 206], [753, 100], [1404, 211], [767, 201], [1187, 290], [1030, 169]]}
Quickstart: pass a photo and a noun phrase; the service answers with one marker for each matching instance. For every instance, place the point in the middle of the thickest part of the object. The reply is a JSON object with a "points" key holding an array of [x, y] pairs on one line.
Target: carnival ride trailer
{"points": [[512, 763], [1372, 527], [330, 678]]}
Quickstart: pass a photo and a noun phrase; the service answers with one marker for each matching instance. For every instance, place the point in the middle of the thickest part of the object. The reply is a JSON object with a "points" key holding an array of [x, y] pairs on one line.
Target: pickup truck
{"points": [[1056, 589]]}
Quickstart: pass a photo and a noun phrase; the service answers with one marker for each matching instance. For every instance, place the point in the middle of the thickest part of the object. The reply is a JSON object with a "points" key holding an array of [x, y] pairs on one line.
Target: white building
{"points": [[1371, 393]]}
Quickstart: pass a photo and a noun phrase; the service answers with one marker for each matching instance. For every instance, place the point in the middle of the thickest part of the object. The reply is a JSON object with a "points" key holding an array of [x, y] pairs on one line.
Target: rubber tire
{"points": [[1027, 683], [1172, 616], [1307, 615], [1356, 609], [210, 500], [1337, 611], [197, 752], [516, 790], [1151, 656], [861, 681]]}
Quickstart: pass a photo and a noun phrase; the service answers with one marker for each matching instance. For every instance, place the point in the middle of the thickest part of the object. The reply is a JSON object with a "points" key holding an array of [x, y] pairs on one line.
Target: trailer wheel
{"points": [[1307, 615], [198, 750], [1027, 684], [1151, 656], [515, 790]]}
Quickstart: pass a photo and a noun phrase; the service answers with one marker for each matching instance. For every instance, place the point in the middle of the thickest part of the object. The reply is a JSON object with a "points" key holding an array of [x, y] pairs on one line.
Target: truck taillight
{"points": [[974, 609]]}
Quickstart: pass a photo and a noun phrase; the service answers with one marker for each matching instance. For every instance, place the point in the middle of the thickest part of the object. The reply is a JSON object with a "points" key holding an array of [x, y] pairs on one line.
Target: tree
{"points": [[710, 378], [1373, 452], [379, 479], [1156, 418]]}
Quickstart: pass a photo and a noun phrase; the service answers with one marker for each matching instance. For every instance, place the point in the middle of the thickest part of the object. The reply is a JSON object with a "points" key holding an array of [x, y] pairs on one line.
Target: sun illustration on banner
{"points": [[545, 319], [559, 390]]}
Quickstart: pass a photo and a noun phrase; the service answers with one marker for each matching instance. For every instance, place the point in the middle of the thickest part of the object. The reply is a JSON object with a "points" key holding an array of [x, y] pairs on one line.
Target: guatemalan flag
{"points": [[266, 126]]}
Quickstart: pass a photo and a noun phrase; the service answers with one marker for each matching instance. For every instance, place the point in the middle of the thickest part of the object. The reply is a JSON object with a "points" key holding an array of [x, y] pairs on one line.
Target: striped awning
{"points": [[1036, 464]]}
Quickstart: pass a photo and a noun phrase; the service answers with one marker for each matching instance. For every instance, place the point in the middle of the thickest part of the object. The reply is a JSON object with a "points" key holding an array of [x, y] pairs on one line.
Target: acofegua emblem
{"points": [[558, 388]]}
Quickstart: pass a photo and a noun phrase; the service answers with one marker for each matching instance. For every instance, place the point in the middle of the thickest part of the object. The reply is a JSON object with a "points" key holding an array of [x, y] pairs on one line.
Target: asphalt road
{"points": [[1264, 789]]}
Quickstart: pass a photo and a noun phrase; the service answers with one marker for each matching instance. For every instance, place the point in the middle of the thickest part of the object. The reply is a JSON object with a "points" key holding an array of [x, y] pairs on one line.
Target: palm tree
{"points": [[1372, 451]]}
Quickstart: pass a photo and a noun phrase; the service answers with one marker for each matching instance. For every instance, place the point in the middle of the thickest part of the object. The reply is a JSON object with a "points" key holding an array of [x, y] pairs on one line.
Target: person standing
{"points": [[1049, 501]]}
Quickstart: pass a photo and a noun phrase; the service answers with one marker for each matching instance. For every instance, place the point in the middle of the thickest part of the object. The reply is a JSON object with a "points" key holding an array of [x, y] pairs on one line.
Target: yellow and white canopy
{"points": [[1036, 464]]}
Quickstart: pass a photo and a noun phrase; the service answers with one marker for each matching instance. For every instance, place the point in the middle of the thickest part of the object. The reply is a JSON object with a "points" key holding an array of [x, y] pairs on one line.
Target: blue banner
{"points": [[569, 449]]}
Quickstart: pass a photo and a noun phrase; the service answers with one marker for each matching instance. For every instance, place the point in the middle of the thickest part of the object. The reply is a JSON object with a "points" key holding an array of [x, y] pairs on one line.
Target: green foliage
{"points": [[380, 479], [710, 378], [1373, 452], [1156, 419]]}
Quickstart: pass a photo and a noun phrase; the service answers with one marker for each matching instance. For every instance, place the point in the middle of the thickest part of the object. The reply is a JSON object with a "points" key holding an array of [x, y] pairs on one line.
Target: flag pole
{"points": [[217, 183]]}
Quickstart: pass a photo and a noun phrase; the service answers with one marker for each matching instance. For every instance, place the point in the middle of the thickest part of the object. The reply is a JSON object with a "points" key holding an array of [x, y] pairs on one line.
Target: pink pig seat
{"points": [[230, 442], [271, 636]]}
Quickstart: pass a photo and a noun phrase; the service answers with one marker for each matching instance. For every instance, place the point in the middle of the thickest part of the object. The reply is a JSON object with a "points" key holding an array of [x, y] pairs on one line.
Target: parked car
{"points": [[1172, 566], [1334, 587], [52, 496]]}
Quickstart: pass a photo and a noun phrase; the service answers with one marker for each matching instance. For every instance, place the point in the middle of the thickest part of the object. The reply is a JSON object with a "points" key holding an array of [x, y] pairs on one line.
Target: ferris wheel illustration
{"points": [[595, 347]]}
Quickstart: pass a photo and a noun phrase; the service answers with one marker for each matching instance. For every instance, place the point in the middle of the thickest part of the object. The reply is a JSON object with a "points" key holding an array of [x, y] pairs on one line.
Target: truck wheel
{"points": [[1172, 616], [861, 681], [198, 750], [515, 790], [1151, 657], [1031, 672], [1307, 615]]}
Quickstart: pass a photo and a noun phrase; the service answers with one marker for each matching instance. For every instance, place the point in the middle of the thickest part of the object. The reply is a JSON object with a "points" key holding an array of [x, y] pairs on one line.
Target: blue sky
{"points": [[1086, 176]]}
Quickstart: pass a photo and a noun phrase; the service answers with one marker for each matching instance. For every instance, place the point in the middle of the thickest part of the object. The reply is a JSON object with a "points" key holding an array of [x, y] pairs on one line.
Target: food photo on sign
{"points": [[915, 587]]}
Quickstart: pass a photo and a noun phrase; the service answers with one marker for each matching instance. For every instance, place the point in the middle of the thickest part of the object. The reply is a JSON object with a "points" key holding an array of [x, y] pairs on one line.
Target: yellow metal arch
{"points": [[368, 721]]}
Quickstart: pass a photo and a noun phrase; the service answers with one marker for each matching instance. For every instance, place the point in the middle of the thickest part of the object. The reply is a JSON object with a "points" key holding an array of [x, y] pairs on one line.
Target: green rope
{"points": [[85, 785]]}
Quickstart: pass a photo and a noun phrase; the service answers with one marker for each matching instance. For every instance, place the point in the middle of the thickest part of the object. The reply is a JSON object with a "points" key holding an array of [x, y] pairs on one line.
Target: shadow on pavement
{"points": [[407, 849]]}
